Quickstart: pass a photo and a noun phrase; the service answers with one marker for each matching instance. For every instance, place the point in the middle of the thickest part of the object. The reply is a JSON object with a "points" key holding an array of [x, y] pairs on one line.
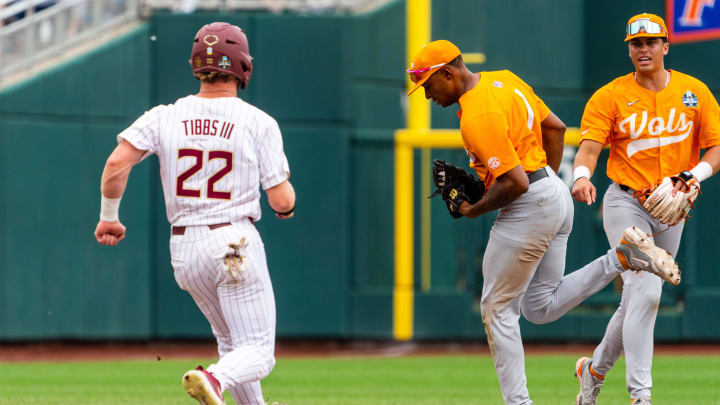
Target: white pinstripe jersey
{"points": [[213, 154]]}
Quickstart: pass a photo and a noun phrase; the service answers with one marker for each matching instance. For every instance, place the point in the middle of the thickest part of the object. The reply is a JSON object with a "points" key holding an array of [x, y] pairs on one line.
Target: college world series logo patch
{"points": [[224, 63], [689, 99]]}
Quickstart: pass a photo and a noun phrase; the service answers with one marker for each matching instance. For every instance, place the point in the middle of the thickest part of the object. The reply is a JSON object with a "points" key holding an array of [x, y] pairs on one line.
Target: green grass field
{"points": [[418, 380]]}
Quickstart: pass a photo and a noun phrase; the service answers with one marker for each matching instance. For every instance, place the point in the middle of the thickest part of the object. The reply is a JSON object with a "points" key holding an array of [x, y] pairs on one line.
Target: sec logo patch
{"points": [[471, 156], [493, 163]]}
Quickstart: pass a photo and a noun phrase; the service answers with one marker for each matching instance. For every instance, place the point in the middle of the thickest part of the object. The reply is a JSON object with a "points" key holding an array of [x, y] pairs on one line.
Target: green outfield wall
{"points": [[336, 84]]}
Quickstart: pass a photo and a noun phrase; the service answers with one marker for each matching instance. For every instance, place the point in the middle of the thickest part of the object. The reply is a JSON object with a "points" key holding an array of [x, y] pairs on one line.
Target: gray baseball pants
{"points": [[523, 271], [632, 326]]}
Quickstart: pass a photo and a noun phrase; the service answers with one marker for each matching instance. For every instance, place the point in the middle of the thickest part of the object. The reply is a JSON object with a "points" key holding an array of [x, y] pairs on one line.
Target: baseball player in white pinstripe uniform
{"points": [[215, 150]]}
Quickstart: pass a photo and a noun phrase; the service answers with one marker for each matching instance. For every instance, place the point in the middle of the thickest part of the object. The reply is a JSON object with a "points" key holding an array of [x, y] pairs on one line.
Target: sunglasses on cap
{"points": [[644, 25], [414, 72]]}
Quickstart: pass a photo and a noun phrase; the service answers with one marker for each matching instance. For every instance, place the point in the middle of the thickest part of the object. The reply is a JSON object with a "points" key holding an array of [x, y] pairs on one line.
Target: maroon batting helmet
{"points": [[222, 47]]}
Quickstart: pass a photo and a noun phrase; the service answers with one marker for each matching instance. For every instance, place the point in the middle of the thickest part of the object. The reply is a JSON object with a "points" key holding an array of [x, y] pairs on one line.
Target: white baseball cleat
{"points": [[641, 401], [642, 254], [203, 386], [589, 384]]}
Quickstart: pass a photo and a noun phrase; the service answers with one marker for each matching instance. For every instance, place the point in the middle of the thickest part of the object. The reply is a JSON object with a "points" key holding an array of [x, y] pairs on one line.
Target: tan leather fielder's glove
{"points": [[665, 207], [235, 258]]}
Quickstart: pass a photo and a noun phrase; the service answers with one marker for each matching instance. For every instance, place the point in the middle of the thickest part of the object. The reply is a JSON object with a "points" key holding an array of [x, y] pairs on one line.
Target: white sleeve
{"points": [[144, 132], [274, 168]]}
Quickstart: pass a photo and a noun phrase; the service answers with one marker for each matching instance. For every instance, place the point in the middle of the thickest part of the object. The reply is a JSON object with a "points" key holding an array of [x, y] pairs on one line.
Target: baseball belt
{"points": [[538, 174], [180, 230], [627, 189]]}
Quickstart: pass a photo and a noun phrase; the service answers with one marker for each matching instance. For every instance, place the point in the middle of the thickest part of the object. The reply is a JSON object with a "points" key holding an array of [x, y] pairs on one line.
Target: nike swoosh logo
{"points": [[585, 131], [632, 102], [644, 144]]}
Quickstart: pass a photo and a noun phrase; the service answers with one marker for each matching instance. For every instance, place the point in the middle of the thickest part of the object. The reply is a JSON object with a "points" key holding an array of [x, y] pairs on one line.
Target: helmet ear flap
{"points": [[245, 78], [244, 72]]}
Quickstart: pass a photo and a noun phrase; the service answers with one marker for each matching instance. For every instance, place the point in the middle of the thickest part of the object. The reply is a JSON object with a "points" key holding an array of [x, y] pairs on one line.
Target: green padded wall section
{"points": [[55, 133]]}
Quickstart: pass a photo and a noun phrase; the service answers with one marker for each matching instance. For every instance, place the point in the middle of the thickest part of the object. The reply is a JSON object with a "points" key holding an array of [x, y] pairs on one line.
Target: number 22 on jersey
{"points": [[198, 155]]}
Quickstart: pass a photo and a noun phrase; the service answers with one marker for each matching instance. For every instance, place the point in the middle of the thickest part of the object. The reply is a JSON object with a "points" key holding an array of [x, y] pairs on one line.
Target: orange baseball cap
{"points": [[645, 25], [431, 57]]}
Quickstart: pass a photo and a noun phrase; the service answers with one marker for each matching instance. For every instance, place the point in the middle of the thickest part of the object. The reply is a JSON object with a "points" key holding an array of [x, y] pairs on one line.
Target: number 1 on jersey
{"points": [[198, 156], [531, 114]]}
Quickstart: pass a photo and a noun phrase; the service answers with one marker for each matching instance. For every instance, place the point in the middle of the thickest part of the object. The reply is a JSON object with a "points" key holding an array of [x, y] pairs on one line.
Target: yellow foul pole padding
{"points": [[403, 291], [417, 16], [451, 138]]}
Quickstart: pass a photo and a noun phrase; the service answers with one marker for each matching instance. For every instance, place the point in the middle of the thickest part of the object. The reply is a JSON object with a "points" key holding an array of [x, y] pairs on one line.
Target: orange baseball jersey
{"points": [[500, 125], [652, 135]]}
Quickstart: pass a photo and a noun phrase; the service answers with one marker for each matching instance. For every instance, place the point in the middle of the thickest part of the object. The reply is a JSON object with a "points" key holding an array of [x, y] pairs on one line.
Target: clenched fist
{"points": [[109, 233]]}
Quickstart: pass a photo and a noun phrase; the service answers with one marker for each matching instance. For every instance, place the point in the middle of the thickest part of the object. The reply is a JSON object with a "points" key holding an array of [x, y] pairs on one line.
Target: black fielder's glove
{"points": [[455, 185]]}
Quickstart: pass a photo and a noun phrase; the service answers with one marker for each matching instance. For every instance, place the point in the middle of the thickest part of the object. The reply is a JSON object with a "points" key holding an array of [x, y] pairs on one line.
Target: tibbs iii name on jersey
{"points": [[208, 127]]}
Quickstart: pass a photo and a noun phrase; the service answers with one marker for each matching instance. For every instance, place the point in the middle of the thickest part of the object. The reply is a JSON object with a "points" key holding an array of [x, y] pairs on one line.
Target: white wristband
{"points": [[109, 208], [702, 171], [581, 171]]}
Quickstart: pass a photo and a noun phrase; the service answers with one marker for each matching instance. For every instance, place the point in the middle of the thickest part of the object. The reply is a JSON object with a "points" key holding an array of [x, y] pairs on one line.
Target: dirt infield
{"points": [[103, 351]]}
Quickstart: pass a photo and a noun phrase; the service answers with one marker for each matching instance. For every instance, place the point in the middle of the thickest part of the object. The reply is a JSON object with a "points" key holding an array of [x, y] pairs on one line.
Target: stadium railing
{"points": [[47, 33], [35, 31], [273, 5]]}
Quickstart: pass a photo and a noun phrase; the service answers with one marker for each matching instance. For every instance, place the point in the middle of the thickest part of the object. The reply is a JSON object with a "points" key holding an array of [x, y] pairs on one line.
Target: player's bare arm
{"points": [[282, 199], [587, 155], [114, 180], [553, 134], [506, 189]]}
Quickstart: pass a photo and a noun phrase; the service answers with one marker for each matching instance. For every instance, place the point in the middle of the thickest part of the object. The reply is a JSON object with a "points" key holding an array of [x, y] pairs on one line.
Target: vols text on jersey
{"points": [[208, 127], [655, 127]]}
